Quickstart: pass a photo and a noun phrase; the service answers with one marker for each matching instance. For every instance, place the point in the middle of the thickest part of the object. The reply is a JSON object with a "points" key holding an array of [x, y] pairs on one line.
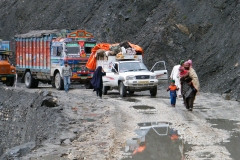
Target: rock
{"points": [[226, 96], [183, 28], [66, 142], [67, 135], [46, 93], [49, 102], [18, 151]]}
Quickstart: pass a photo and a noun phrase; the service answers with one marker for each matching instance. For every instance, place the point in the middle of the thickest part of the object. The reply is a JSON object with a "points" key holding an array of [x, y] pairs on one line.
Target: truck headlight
{"points": [[152, 77], [13, 70], [130, 78]]}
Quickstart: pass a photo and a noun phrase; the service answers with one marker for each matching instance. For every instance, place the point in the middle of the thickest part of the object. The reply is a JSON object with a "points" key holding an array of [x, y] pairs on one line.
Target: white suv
{"points": [[133, 76]]}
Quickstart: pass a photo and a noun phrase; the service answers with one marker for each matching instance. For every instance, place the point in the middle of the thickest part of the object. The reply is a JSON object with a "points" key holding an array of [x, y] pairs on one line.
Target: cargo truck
{"points": [[40, 56]]}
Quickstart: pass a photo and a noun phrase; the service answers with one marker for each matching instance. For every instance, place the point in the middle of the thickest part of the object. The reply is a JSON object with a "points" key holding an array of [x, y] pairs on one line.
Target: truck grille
{"points": [[4, 69], [143, 77]]}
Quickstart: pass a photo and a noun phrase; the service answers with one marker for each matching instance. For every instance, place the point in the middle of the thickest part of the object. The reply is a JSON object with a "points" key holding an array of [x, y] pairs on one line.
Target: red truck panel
{"points": [[24, 53], [48, 55], [17, 53], [34, 50]]}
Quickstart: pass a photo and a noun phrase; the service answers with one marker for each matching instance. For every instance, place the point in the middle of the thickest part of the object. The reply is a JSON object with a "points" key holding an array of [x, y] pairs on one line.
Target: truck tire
{"points": [[105, 90], [122, 90], [153, 92], [36, 82], [58, 82], [131, 92], [88, 85], [10, 82], [28, 80]]}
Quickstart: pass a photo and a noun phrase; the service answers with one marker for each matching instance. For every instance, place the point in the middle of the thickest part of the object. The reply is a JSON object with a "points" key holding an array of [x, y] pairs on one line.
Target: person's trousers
{"points": [[66, 80], [173, 99], [99, 92], [189, 101]]}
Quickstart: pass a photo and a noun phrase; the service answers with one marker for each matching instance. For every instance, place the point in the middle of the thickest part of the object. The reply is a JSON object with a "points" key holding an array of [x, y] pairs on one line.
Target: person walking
{"points": [[190, 86], [173, 92], [175, 76], [67, 73], [97, 82]]}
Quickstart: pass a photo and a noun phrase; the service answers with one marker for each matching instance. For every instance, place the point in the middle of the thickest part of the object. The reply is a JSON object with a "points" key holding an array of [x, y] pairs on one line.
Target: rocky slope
{"points": [[205, 31]]}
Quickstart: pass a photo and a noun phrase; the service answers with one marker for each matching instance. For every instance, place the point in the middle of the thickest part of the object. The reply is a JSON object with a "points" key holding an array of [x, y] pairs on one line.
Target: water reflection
{"points": [[155, 140]]}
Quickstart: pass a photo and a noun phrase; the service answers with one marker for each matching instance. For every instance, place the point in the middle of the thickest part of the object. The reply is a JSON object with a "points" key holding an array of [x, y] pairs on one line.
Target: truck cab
{"points": [[7, 70]]}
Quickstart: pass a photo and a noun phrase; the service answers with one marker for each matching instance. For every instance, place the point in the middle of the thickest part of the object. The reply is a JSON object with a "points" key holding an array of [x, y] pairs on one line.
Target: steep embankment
{"points": [[25, 121], [204, 31]]}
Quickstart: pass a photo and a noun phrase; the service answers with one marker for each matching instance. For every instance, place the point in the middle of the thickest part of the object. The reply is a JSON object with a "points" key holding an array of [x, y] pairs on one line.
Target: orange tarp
{"points": [[91, 63]]}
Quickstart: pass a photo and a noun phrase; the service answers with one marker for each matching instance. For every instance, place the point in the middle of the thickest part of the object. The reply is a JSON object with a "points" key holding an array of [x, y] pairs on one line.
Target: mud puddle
{"points": [[233, 143], [155, 140], [131, 100], [145, 109]]}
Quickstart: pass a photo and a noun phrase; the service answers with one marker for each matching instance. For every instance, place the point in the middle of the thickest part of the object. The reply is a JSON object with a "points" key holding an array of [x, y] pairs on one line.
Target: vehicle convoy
{"points": [[7, 70], [125, 70], [40, 56]]}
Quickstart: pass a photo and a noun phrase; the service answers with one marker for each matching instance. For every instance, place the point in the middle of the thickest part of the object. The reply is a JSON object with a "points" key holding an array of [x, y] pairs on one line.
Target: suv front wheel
{"points": [[153, 92], [122, 90]]}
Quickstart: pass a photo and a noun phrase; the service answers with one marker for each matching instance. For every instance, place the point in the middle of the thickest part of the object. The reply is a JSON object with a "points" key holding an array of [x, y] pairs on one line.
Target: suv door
{"points": [[111, 78], [159, 68]]}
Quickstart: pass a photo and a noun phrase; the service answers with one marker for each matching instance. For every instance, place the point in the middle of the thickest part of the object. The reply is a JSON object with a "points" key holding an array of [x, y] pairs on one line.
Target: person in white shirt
{"points": [[175, 76]]}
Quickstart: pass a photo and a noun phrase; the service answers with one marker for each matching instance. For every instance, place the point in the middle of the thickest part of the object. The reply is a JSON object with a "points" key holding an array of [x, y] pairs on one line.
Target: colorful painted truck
{"points": [[40, 56], [7, 70]]}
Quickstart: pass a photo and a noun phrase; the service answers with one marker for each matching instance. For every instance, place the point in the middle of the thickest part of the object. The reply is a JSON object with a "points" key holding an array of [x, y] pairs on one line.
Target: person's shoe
{"points": [[190, 109]]}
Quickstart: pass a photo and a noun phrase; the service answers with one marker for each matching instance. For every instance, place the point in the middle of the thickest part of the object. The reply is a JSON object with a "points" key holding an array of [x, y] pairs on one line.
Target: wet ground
{"points": [[138, 127]]}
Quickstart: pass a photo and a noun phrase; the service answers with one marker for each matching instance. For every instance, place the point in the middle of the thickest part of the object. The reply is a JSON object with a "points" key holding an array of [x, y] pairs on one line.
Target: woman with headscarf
{"points": [[190, 86], [97, 82]]}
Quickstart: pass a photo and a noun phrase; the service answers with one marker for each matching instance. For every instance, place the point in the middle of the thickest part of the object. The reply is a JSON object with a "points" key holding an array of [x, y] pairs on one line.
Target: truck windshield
{"points": [[132, 66], [72, 48], [3, 57]]}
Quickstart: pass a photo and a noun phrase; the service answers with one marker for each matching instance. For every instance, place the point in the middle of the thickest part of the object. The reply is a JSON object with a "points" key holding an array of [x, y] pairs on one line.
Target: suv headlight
{"points": [[130, 78], [13, 70], [152, 77]]}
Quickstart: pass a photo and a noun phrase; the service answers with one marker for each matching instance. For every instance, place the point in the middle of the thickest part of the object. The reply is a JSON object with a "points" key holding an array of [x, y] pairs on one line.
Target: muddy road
{"points": [[47, 124]]}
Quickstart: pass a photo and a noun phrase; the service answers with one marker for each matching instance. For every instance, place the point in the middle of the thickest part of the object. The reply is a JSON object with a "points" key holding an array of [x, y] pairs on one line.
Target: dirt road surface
{"points": [[135, 127]]}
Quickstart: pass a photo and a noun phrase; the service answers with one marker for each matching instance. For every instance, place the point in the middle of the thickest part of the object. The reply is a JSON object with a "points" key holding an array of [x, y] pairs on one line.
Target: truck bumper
{"points": [[5, 77], [140, 85]]}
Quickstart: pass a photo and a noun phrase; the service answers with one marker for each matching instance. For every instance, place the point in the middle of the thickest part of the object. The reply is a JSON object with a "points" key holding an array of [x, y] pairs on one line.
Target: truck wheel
{"points": [[58, 82], [53, 83], [36, 82], [88, 85], [28, 80], [10, 82], [122, 90], [131, 92], [105, 90], [153, 92]]}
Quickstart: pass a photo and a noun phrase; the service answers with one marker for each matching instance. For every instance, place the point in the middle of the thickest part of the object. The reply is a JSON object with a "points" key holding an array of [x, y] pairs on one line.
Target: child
{"points": [[173, 92]]}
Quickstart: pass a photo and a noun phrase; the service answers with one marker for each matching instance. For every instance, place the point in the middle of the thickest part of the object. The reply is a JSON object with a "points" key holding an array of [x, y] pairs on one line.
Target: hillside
{"points": [[205, 31]]}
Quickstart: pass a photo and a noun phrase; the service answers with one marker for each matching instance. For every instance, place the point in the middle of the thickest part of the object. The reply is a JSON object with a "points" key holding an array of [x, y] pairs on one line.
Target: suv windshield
{"points": [[132, 66]]}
